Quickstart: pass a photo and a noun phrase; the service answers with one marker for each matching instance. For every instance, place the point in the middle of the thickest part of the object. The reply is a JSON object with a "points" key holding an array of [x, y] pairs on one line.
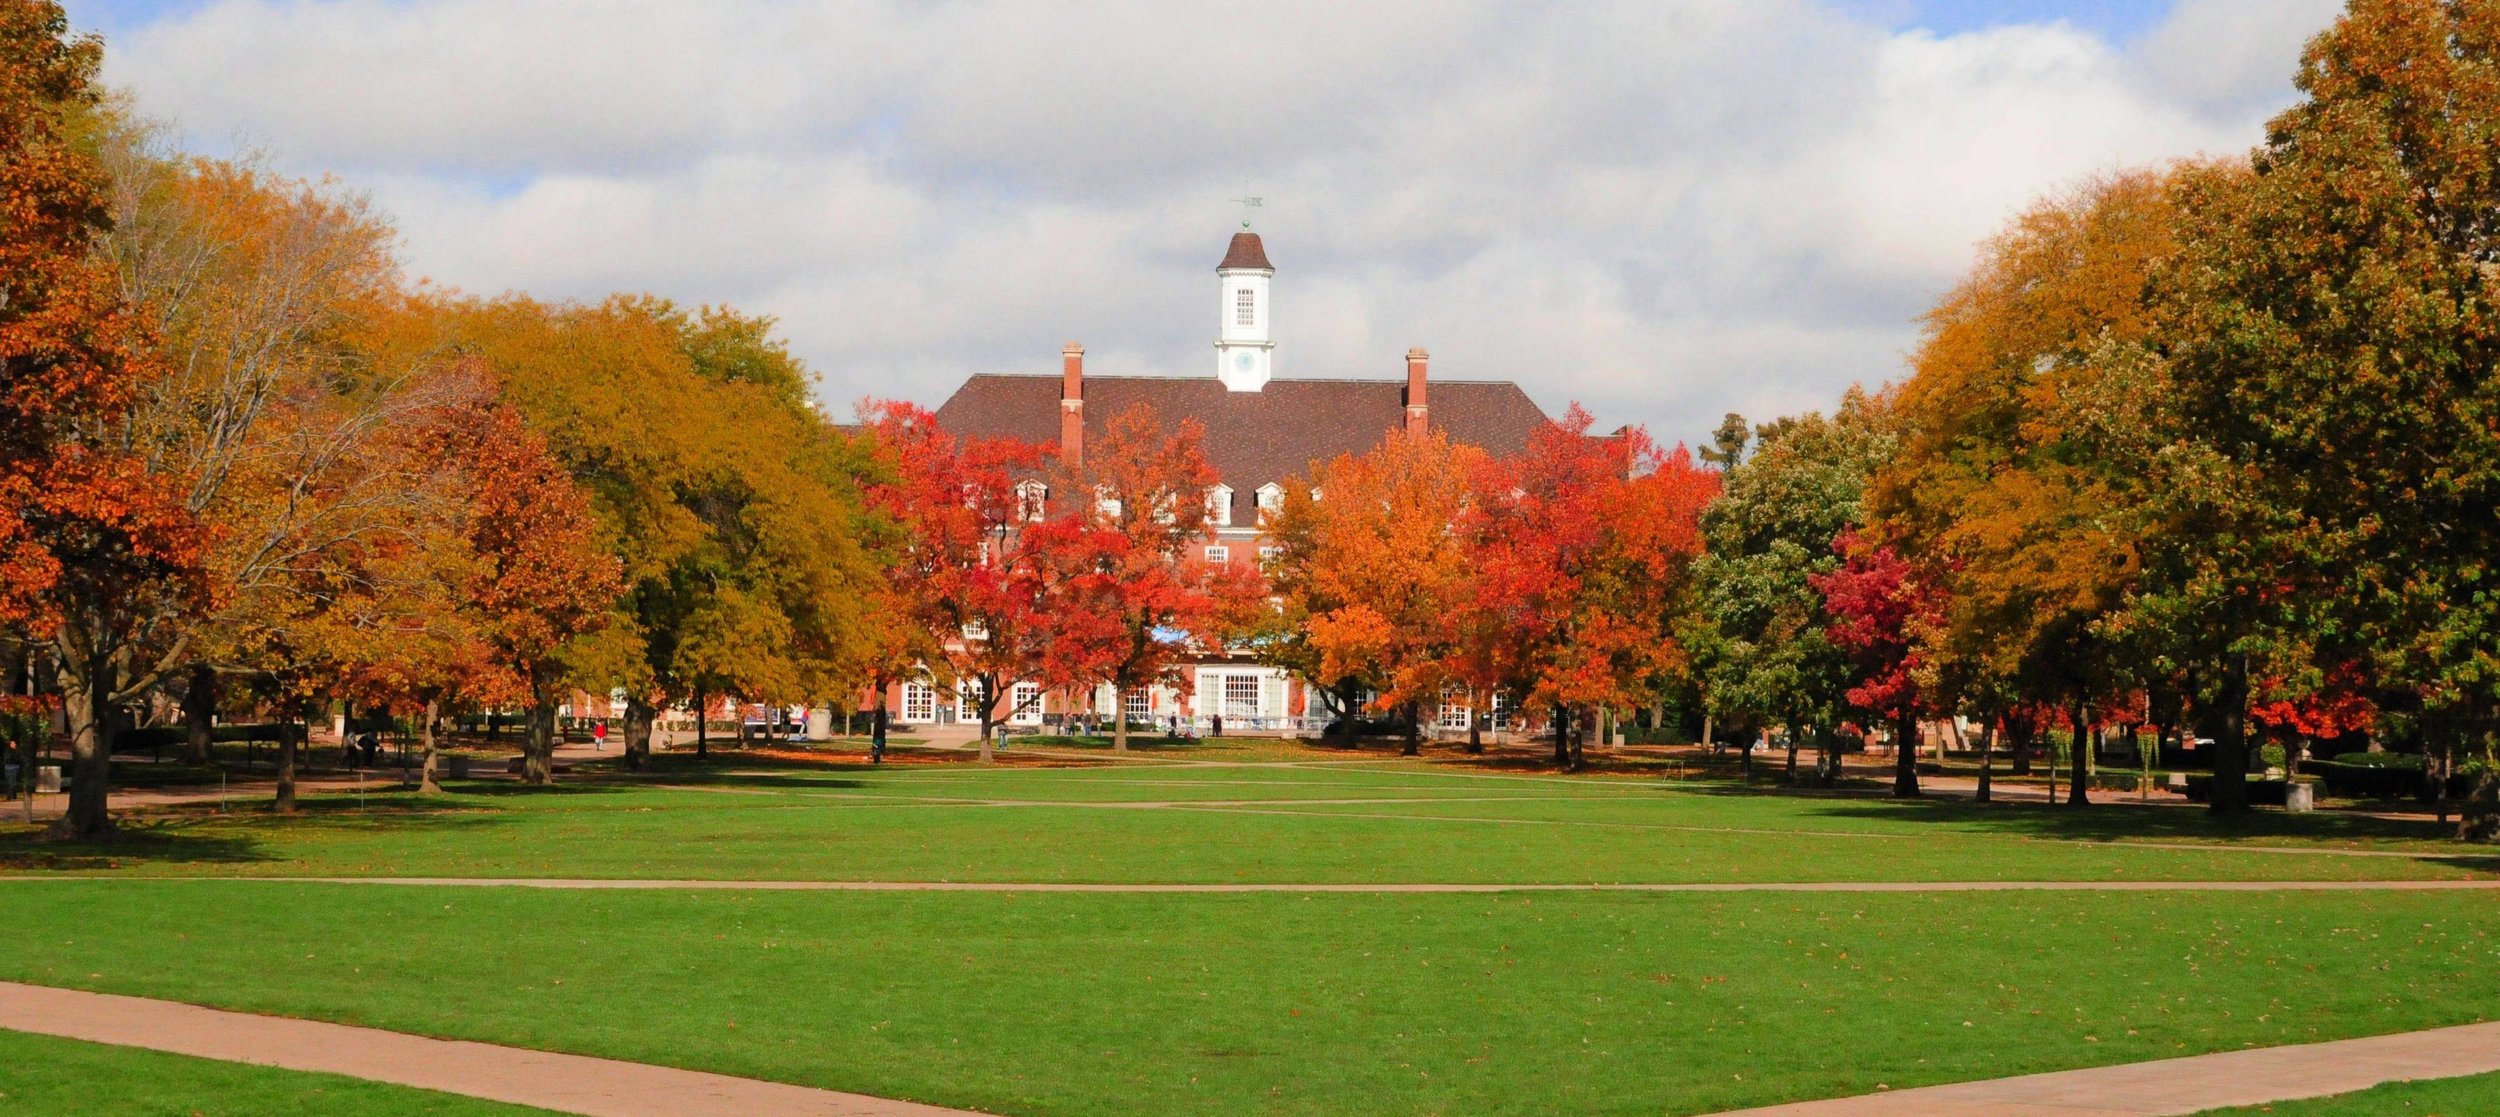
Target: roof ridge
{"points": [[1094, 376]]}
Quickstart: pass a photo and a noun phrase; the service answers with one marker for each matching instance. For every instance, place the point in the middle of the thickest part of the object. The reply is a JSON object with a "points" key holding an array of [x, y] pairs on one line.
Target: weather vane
{"points": [[1247, 204]]}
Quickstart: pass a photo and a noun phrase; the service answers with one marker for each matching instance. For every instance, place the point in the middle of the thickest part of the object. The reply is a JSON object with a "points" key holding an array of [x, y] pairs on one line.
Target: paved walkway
{"points": [[564, 1083], [600, 884], [2189, 1085]]}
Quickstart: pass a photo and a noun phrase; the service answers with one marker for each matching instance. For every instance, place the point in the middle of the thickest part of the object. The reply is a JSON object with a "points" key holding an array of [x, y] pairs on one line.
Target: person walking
{"points": [[599, 736]]}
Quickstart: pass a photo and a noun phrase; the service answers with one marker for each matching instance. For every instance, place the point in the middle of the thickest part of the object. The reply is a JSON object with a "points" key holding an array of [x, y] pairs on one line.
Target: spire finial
{"points": [[1248, 204]]}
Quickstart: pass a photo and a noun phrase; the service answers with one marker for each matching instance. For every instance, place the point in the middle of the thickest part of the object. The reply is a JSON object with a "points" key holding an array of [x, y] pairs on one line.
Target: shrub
{"points": [[2406, 760]]}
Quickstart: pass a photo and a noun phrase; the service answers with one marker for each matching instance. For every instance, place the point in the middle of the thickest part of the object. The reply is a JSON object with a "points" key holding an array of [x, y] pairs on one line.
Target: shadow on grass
{"points": [[2112, 823], [236, 838]]}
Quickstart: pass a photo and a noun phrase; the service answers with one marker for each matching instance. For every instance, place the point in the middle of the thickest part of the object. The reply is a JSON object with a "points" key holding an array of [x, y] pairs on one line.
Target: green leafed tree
{"points": [[1756, 629]]}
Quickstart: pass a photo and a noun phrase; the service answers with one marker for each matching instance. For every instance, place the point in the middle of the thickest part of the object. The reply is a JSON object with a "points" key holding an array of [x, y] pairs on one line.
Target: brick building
{"points": [[1260, 430]]}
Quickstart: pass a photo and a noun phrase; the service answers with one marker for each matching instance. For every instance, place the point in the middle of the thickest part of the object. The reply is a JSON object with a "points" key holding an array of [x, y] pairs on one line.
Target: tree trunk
{"points": [[2022, 743], [1475, 730], [429, 740], [1791, 774], [2230, 786], [1119, 719], [639, 714], [2438, 758], [494, 726], [1414, 730], [1707, 740], [989, 727], [702, 726], [538, 748], [291, 739], [876, 731], [1579, 739], [2079, 766], [1987, 756], [199, 717], [1562, 737], [2479, 820], [1905, 753], [90, 750]]}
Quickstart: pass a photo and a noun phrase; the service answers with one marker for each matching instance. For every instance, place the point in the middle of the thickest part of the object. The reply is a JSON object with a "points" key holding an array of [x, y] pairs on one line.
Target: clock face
{"points": [[1243, 361]]}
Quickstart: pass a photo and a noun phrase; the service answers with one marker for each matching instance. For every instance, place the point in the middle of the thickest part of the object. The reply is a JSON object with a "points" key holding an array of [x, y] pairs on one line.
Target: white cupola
{"points": [[1243, 344]]}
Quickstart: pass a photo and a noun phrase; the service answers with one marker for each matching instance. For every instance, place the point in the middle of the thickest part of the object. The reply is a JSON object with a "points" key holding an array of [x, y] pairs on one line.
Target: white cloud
{"points": [[1665, 209]]}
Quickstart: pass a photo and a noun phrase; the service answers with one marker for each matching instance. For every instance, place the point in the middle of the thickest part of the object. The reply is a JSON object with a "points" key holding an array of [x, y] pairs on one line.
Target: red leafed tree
{"points": [[85, 531], [1129, 594], [1578, 548], [1880, 610], [540, 578], [2331, 709], [965, 569]]}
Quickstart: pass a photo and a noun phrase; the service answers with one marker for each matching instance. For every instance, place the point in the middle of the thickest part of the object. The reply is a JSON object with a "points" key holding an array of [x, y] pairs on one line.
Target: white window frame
{"points": [[1032, 501], [1139, 704], [1246, 307], [919, 703], [1019, 713], [1233, 701], [1270, 554], [1220, 505], [1219, 555]]}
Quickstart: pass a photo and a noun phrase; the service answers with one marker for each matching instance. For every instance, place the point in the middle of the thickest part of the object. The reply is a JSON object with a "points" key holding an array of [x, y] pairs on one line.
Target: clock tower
{"points": [[1243, 345]]}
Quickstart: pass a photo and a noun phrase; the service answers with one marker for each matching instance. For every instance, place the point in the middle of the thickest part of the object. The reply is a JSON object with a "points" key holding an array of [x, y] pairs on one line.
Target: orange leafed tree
{"points": [[1371, 572], [84, 527], [541, 577]]}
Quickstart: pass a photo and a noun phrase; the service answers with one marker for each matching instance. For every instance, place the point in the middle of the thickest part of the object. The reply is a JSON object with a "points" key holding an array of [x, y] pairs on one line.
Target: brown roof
{"points": [[1253, 438], [1246, 252]]}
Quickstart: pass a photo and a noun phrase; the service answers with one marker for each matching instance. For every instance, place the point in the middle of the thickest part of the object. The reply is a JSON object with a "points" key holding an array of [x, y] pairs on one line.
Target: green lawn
{"points": [[1273, 1003], [1239, 823], [1293, 1004], [2470, 1096], [66, 1078]]}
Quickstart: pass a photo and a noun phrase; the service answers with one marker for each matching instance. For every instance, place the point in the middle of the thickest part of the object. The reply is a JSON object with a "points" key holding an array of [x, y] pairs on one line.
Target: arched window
{"points": [[1220, 505], [1245, 307]]}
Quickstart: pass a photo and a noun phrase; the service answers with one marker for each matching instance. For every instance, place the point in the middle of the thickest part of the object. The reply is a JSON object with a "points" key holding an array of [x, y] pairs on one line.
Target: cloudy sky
{"points": [[1665, 209]]}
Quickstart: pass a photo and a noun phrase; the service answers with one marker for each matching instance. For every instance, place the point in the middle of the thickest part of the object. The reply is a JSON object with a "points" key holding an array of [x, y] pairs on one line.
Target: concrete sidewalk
{"points": [[2171, 1087], [564, 1083]]}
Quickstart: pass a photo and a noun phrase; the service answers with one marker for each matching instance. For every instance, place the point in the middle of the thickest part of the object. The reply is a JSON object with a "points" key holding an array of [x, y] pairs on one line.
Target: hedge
{"points": [[2263, 793]]}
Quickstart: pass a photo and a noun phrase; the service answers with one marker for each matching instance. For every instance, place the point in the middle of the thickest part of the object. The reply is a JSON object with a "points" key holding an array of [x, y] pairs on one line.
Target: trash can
{"points": [[2300, 797], [459, 767]]}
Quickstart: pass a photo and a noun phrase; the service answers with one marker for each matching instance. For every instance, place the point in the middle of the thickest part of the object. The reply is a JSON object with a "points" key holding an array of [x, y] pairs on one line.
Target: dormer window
{"points": [[1245, 307], [1220, 506], [1032, 501], [1271, 499]]}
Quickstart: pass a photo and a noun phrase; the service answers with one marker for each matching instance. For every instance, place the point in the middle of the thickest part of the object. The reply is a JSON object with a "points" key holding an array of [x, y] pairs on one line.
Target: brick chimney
{"points": [[1415, 409], [1072, 404]]}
